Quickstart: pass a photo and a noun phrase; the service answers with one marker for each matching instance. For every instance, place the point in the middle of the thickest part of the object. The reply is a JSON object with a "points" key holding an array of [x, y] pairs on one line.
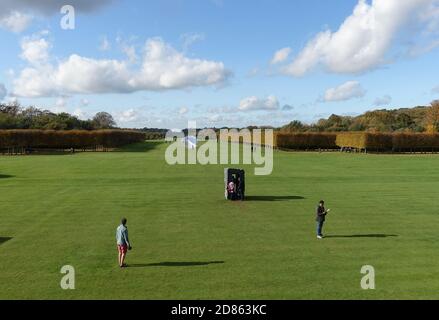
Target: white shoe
{"points": [[319, 237]]}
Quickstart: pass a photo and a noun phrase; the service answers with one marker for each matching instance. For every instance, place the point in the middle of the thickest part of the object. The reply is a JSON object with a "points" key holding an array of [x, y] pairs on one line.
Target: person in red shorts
{"points": [[123, 243]]}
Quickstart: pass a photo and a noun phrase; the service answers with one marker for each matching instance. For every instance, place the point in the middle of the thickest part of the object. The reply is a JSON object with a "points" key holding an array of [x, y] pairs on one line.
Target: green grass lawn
{"points": [[189, 243]]}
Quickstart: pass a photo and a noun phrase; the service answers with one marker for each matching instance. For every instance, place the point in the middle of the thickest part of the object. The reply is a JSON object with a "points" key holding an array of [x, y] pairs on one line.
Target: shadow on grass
{"points": [[175, 264], [5, 176], [4, 239], [140, 147], [363, 236], [273, 198]]}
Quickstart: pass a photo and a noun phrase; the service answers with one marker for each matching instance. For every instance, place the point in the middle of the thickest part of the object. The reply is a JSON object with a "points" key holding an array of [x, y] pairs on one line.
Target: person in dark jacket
{"points": [[321, 213]]}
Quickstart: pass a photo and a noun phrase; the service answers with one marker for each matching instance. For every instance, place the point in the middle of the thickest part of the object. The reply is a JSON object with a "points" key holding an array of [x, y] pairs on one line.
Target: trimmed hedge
{"points": [[388, 141], [52, 139], [306, 141], [351, 140], [365, 140], [237, 138], [415, 141]]}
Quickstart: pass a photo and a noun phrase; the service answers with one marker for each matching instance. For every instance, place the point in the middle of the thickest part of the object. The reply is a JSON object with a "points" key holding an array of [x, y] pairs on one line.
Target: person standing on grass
{"points": [[321, 213], [123, 243]]}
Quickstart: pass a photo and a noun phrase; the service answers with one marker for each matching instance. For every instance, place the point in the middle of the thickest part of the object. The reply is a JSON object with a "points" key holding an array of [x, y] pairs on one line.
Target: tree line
{"points": [[419, 119], [13, 116]]}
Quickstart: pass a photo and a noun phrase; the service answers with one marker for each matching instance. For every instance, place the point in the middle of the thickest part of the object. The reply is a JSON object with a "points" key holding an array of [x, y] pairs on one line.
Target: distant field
{"points": [[189, 243]]}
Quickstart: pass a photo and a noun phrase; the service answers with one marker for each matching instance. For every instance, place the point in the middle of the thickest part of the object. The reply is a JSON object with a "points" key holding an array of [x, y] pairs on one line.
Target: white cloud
{"points": [[431, 17], [346, 91], [10, 73], [435, 90], [85, 102], [189, 39], [162, 68], [255, 103], [15, 21], [35, 51], [61, 102], [383, 101], [130, 52], [281, 56], [129, 115], [166, 68], [183, 110], [363, 40], [215, 118], [81, 114], [105, 44], [3, 91], [60, 105]]}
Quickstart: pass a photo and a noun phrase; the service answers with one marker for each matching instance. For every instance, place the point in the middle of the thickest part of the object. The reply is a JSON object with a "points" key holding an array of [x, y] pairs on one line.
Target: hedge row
{"points": [[68, 139], [303, 141], [365, 140], [419, 141], [388, 141], [238, 138]]}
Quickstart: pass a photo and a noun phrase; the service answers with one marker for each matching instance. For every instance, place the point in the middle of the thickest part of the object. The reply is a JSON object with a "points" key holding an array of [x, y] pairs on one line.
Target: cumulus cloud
{"points": [[363, 40], [162, 68], [3, 91], [165, 68], [281, 56], [15, 21], [130, 52], [346, 91], [35, 51], [254, 103], [383, 101]]}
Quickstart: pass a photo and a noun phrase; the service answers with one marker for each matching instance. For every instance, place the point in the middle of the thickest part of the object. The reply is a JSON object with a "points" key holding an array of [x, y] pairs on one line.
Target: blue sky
{"points": [[220, 62]]}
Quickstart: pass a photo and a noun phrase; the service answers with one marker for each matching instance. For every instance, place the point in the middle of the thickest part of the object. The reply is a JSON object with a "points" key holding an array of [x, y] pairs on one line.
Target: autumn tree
{"points": [[432, 117]]}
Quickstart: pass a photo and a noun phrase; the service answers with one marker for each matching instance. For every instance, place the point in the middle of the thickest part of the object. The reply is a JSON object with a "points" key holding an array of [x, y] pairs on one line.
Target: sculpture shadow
{"points": [[140, 146], [4, 239], [273, 198], [363, 236], [175, 264]]}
